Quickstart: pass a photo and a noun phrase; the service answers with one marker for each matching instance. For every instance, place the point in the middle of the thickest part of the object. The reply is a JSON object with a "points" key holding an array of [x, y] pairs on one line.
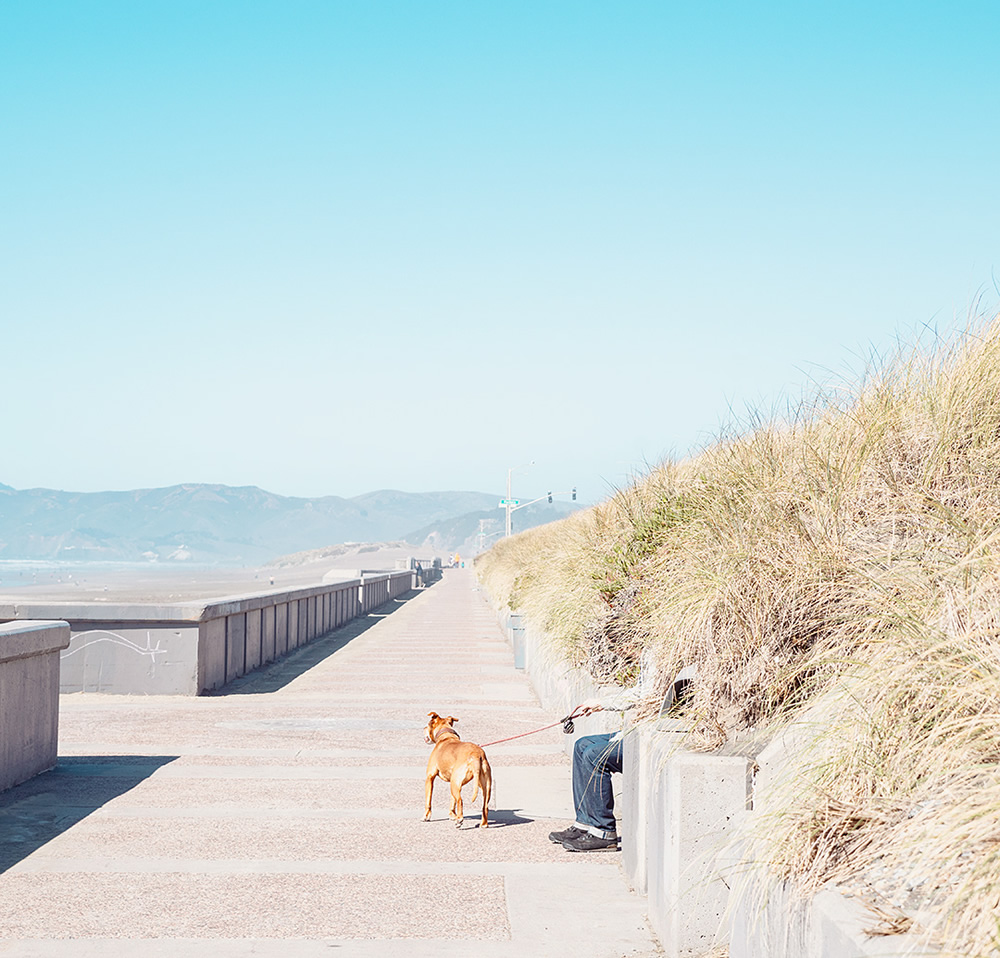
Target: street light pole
{"points": [[507, 502], [483, 534]]}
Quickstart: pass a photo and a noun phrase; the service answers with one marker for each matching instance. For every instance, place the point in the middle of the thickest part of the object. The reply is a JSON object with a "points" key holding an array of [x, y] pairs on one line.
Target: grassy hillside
{"points": [[846, 561]]}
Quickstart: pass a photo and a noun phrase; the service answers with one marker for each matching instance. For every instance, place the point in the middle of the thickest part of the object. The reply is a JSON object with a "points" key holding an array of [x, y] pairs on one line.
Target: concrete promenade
{"points": [[283, 817]]}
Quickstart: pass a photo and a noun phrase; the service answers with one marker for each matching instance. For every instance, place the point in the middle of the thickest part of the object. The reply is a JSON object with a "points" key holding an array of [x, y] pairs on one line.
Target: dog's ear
{"points": [[432, 715], [451, 720]]}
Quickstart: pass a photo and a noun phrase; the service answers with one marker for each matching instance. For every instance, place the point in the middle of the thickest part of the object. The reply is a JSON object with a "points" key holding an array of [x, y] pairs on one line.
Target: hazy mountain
{"points": [[210, 523]]}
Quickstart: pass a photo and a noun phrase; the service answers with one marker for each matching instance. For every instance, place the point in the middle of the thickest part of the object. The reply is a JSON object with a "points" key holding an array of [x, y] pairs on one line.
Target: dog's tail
{"points": [[476, 767], [479, 765], [488, 784]]}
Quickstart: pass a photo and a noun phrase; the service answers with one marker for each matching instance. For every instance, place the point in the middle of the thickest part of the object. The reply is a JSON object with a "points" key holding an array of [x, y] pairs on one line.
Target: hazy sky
{"points": [[331, 247]]}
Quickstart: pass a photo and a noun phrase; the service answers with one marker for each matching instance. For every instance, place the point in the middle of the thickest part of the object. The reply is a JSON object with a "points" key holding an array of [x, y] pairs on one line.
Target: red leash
{"points": [[566, 723]]}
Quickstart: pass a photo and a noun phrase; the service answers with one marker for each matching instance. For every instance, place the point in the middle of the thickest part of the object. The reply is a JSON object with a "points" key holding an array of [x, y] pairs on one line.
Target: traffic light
{"points": [[574, 493], [550, 497]]}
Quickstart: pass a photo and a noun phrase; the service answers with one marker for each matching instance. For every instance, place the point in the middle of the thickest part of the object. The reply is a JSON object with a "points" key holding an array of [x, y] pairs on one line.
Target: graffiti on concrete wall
{"points": [[84, 640]]}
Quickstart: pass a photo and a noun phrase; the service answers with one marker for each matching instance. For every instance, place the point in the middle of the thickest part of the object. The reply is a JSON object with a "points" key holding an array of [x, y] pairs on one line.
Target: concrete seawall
{"points": [[193, 648]]}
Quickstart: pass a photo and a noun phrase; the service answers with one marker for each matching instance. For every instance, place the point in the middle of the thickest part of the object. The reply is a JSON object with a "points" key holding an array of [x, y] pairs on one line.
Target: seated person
{"points": [[596, 758]]}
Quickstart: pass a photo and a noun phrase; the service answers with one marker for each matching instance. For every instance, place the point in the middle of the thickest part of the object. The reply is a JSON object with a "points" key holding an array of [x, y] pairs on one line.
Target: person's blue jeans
{"points": [[595, 757]]}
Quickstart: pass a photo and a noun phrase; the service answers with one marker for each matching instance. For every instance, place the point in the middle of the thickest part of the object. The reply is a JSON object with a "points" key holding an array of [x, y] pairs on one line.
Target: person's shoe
{"points": [[566, 833], [590, 843]]}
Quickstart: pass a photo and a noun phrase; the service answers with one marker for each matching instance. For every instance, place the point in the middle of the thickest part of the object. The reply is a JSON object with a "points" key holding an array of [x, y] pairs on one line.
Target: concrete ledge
{"points": [[29, 698], [23, 640], [165, 612], [189, 648]]}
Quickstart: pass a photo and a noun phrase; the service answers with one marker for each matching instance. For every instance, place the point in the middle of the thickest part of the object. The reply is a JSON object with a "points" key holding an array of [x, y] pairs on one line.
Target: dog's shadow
{"points": [[500, 819]]}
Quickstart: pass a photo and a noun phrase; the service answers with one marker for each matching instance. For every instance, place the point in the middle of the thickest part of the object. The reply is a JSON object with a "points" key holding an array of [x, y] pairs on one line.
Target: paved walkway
{"points": [[284, 818]]}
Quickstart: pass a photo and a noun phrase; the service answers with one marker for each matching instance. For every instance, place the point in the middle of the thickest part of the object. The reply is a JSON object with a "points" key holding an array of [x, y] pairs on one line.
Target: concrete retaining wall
{"points": [[29, 698], [191, 648], [678, 809], [681, 817]]}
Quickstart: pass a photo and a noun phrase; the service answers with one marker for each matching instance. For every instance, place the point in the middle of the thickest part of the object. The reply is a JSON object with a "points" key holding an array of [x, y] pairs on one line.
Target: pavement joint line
{"points": [[98, 750], [302, 948], [269, 814], [555, 871], [312, 701], [269, 772]]}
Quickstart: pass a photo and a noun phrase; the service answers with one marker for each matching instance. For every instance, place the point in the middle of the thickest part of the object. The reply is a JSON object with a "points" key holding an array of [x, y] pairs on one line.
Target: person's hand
{"points": [[588, 706]]}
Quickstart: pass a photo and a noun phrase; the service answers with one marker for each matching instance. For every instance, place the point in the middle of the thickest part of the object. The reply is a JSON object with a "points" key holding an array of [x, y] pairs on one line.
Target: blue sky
{"points": [[326, 248]]}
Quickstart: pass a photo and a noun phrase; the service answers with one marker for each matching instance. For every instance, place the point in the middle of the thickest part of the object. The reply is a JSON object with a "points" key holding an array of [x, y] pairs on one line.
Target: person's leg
{"points": [[590, 799], [595, 758]]}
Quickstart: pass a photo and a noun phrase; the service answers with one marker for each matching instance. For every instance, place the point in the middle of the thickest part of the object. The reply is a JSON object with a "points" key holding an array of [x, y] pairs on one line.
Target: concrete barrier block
{"points": [[267, 634], [635, 771], [696, 804], [21, 640], [29, 698], [280, 629], [253, 640], [211, 654], [236, 651], [293, 625], [637, 786], [190, 647], [302, 632]]}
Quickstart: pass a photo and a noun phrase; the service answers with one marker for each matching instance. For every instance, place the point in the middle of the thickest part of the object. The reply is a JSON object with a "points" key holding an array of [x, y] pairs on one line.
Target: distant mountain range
{"points": [[236, 524]]}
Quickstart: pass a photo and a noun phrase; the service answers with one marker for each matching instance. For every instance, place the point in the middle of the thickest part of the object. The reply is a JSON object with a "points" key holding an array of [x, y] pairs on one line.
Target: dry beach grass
{"points": [[846, 564]]}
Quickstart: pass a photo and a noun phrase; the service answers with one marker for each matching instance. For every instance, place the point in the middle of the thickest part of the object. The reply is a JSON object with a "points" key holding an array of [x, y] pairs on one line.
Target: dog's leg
{"points": [[486, 778], [429, 790], [457, 811]]}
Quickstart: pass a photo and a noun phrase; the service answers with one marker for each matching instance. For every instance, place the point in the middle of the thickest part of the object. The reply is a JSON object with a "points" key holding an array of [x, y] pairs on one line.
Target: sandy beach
{"points": [[178, 582]]}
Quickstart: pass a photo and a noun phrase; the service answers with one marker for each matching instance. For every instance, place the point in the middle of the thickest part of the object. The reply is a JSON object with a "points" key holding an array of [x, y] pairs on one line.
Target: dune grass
{"points": [[856, 544]]}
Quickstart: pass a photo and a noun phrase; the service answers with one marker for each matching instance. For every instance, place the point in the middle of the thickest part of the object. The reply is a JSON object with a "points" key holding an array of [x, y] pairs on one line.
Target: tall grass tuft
{"points": [[852, 547]]}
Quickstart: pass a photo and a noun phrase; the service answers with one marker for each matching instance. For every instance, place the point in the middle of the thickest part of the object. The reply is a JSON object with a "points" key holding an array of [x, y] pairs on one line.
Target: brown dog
{"points": [[457, 762]]}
